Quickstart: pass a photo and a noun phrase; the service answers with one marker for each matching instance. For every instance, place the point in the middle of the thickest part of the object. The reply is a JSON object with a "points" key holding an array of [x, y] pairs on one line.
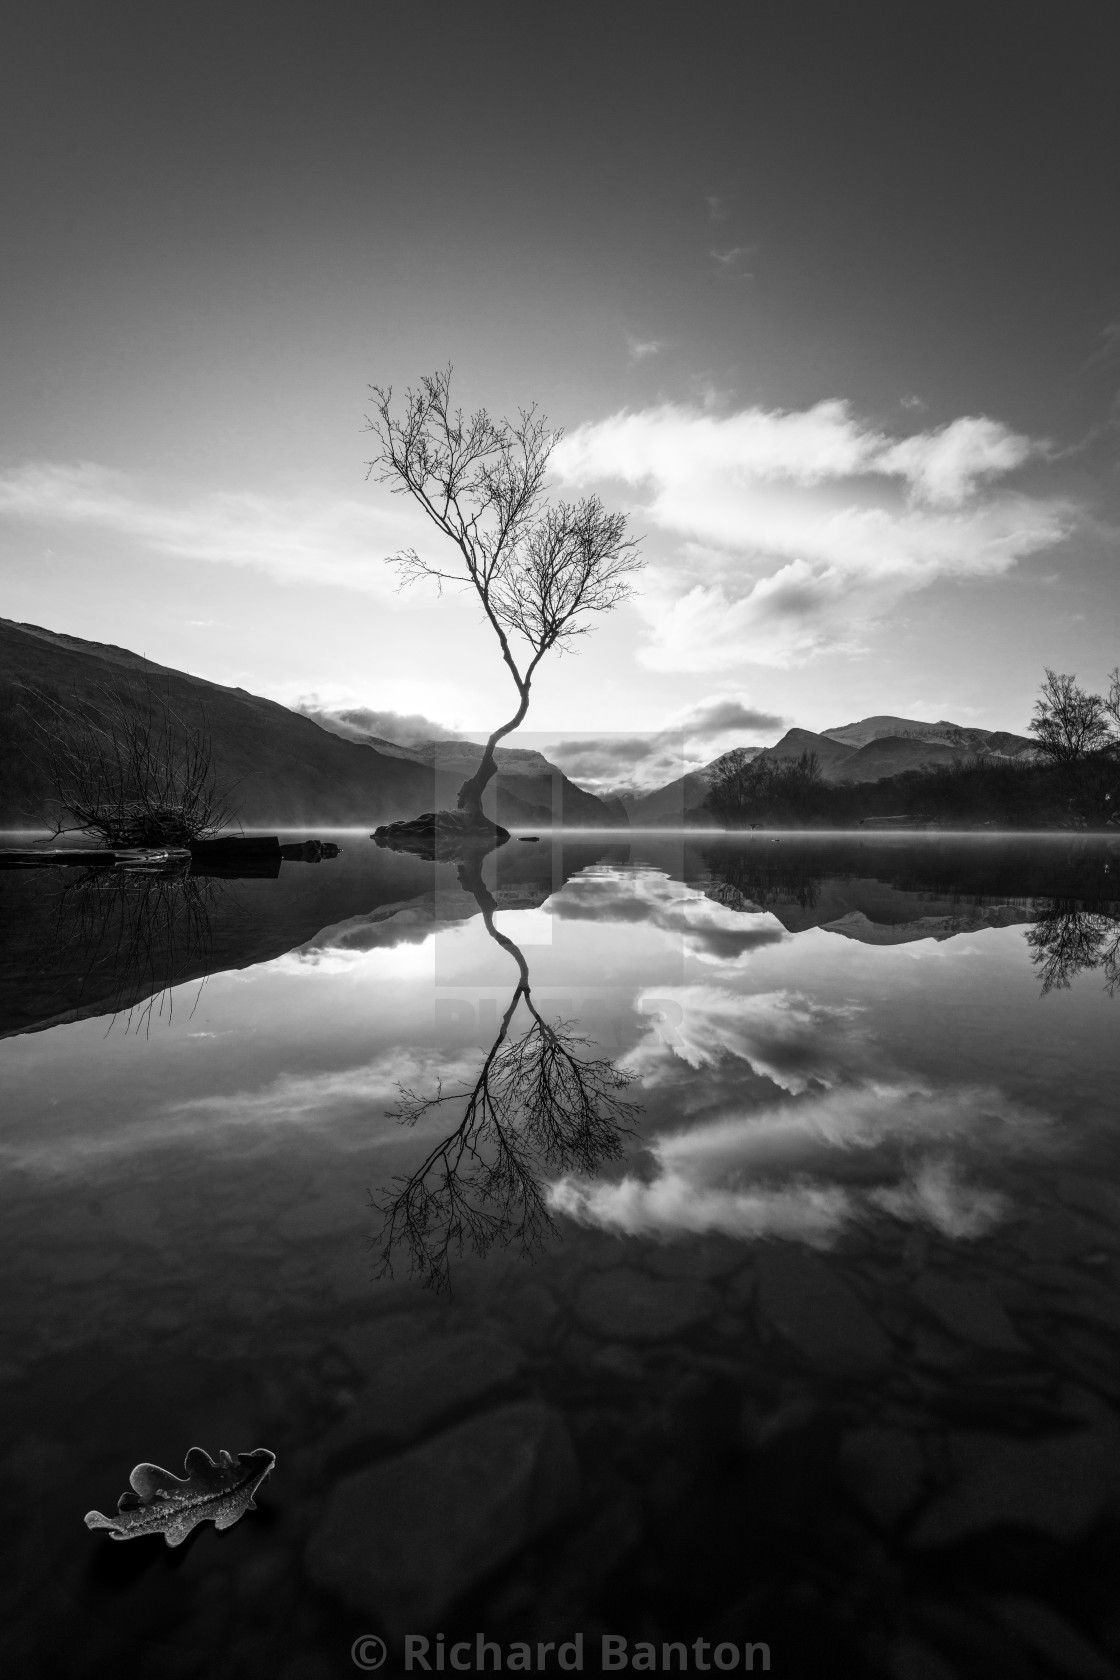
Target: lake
{"points": [[639, 1251]]}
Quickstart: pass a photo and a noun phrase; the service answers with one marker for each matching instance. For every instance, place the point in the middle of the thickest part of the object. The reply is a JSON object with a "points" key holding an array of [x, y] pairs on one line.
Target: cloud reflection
{"points": [[331, 1099], [709, 931], [784, 1036], [808, 1168]]}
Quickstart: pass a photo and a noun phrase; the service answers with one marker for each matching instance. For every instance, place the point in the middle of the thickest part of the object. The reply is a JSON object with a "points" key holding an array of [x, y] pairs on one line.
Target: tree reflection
{"points": [[138, 930], [541, 1104], [1068, 939], [741, 879]]}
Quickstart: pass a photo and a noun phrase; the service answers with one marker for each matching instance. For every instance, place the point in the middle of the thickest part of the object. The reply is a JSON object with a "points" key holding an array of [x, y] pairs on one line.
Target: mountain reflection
{"points": [[541, 1104]]}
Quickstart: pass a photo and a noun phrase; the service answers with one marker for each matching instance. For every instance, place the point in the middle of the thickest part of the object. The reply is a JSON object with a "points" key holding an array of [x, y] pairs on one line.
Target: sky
{"points": [[825, 299]]}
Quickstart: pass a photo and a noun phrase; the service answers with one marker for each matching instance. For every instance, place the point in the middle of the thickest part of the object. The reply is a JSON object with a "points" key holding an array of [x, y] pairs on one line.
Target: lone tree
{"points": [[541, 569], [1071, 723]]}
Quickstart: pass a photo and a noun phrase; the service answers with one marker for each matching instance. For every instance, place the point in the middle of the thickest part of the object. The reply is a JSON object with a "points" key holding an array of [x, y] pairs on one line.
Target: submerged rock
{"points": [[883, 1468], [415, 1387], [815, 1310], [405, 1539], [971, 1311], [631, 1306], [1056, 1484]]}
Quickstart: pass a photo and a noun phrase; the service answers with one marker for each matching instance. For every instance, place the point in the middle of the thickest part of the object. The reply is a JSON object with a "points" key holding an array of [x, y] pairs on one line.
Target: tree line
{"points": [[1072, 779]]}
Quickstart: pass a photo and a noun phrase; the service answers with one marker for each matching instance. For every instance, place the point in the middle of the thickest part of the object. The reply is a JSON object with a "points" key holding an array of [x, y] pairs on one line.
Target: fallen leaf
{"points": [[161, 1503]]}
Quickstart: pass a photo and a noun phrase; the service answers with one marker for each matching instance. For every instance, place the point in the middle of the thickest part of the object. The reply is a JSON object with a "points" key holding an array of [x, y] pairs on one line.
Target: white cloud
{"points": [[731, 261], [360, 723], [640, 349], [296, 539], [660, 755], [797, 529]]}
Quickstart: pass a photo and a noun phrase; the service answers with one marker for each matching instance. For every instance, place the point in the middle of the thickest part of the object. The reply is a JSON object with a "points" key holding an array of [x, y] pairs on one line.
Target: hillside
{"points": [[526, 780], [870, 750], [287, 770], [961, 738], [830, 753]]}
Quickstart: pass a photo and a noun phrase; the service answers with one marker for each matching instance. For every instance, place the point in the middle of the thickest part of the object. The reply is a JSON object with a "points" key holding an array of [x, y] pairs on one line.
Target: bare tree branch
{"points": [[541, 1103], [540, 571]]}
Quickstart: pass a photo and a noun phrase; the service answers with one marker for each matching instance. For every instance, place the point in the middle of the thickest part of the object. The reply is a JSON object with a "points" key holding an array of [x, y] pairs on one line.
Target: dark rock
{"points": [[970, 1310], [1058, 1485], [630, 1306], [1041, 1628], [447, 834], [805, 1300], [414, 1387], [404, 1540], [912, 1659], [243, 845], [1061, 1236], [304, 851], [883, 1468]]}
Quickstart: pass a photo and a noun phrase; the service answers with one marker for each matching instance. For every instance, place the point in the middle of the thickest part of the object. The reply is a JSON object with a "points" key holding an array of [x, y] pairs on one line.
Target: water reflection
{"points": [[1069, 939], [129, 936], [541, 1104]]}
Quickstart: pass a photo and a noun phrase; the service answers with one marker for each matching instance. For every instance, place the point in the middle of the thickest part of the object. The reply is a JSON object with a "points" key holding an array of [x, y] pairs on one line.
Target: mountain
{"points": [[526, 782], [794, 742], [665, 806], [869, 750], [286, 770], [961, 738]]}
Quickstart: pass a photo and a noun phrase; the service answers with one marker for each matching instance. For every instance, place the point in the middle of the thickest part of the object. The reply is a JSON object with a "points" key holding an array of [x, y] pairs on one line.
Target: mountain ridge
{"points": [[287, 770], [868, 750]]}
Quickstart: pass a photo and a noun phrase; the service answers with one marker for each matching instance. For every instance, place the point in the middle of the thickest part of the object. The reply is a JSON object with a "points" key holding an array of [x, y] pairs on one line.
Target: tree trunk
{"points": [[470, 794]]}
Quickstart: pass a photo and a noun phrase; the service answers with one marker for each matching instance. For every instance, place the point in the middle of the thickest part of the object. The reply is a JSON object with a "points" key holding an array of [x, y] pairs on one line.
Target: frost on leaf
{"points": [[159, 1503]]}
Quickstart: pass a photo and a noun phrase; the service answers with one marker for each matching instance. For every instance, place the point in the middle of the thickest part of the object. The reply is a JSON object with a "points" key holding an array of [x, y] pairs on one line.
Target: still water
{"points": [[710, 1246]]}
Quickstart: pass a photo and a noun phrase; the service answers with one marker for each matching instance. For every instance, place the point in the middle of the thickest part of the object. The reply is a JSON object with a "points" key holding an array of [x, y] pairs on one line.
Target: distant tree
{"points": [[1111, 701], [1070, 723], [746, 789], [541, 570], [731, 783]]}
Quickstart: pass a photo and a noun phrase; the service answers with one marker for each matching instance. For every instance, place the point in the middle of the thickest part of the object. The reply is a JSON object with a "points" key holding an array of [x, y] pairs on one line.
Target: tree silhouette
{"points": [[1069, 722], [540, 570], [127, 767], [1069, 939], [541, 1103]]}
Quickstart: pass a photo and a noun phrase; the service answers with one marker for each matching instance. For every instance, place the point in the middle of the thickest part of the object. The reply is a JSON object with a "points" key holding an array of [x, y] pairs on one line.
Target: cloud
{"points": [[359, 723], [724, 713], [731, 261], [808, 1167], [295, 539], [640, 349], [1108, 346], [797, 529], [717, 206], [671, 444], [663, 754]]}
